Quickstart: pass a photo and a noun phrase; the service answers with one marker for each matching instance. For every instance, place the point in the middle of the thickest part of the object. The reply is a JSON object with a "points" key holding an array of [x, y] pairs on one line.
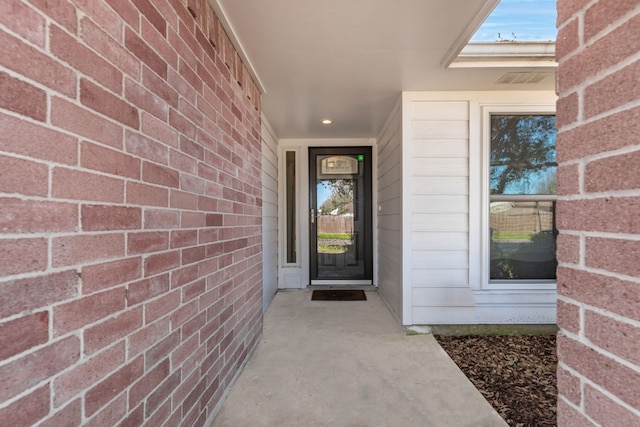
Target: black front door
{"points": [[340, 215]]}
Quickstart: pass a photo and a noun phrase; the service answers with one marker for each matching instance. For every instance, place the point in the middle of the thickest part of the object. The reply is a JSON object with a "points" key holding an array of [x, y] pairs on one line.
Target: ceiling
{"points": [[350, 60]]}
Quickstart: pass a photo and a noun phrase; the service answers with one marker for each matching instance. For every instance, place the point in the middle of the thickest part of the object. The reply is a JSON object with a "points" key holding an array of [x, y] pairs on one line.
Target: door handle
{"points": [[313, 215]]}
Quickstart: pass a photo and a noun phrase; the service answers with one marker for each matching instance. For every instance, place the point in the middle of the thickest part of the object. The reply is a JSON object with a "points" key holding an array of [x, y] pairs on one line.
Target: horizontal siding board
{"points": [[440, 259], [440, 277], [440, 241], [440, 222], [442, 297], [440, 110], [441, 204], [440, 129], [440, 167], [441, 185], [430, 148]]}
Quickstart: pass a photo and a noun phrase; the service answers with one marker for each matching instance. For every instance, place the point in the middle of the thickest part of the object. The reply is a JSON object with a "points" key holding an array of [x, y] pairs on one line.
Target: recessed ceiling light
{"points": [[327, 121]]}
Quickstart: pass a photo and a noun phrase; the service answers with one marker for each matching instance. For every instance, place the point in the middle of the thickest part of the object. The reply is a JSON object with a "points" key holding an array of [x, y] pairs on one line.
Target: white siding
{"points": [[269, 214], [389, 213], [442, 214]]}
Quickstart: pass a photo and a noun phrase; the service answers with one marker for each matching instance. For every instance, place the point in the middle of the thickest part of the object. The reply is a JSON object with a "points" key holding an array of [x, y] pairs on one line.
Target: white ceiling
{"points": [[348, 60]]}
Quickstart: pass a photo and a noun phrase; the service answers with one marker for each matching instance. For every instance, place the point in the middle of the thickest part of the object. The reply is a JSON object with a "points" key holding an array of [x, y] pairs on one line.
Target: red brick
{"points": [[146, 289], [106, 275], [70, 415], [37, 292], [80, 249], [143, 52], [29, 62], [135, 417], [183, 200], [207, 204], [143, 339], [23, 333], [102, 15], [191, 255], [160, 87], [74, 184], [78, 120], [109, 161], [568, 109], [63, 13], [177, 82], [162, 306], [568, 248], [28, 410], [83, 59], [617, 255], [182, 162], [193, 290], [156, 174], [147, 195], [149, 241], [152, 14], [191, 148], [182, 124], [599, 215], [90, 371], [161, 219], [606, 412], [191, 184], [183, 238], [161, 350], [127, 12], [108, 104], [605, 292], [78, 313], [159, 130], [27, 371], [113, 385], [109, 48], [569, 386], [23, 256], [24, 21], [599, 56], [214, 220], [612, 376], [146, 148], [193, 219], [23, 177], [569, 317], [110, 414], [145, 385], [568, 180], [109, 218], [21, 137], [183, 276], [187, 349], [613, 173], [604, 12], [145, 100], [22, 97], [160, 395], [613, 91], [160, 263], [569, 417], [568, 39], [190, 76], [619, 338], [158, 42], [112, 330]]}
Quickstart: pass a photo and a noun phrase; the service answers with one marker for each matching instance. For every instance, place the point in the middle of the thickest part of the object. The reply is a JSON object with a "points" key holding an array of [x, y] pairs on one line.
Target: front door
{"points": [[341, 241]]}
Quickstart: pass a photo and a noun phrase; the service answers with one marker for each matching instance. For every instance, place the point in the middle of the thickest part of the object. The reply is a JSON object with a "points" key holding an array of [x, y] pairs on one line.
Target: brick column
{"points": [[598, 145]]}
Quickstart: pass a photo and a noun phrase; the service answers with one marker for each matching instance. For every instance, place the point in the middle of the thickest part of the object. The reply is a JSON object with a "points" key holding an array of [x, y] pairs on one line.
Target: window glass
{"points": [[523, 154], [291, 205]]}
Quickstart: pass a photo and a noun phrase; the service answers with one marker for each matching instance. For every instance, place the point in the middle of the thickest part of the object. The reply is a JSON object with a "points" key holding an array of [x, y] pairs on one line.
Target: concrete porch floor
{"points": [[348, 363]]}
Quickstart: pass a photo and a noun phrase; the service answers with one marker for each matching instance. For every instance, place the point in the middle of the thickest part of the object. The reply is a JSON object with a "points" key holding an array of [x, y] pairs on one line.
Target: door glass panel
{"points": [[339, 217]]}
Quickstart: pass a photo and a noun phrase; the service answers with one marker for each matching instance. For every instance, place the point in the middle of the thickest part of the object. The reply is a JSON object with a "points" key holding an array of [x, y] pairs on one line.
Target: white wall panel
{"points": [[440, 166], [269, 214]]}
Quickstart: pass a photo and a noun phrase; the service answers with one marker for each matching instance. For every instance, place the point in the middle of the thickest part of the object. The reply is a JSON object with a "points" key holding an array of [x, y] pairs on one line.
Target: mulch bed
{"points": [[515, 373]]}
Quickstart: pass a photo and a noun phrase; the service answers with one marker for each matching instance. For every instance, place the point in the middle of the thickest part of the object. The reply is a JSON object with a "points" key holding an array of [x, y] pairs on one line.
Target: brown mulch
{"points": [[515, 373]]}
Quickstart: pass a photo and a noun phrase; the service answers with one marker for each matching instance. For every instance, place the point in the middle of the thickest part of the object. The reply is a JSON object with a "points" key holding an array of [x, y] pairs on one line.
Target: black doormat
{"points": [[338, 295]]}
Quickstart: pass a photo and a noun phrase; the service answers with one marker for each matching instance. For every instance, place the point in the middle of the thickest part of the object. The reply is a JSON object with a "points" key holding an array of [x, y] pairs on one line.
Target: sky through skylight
{"points": [[520, 21]]}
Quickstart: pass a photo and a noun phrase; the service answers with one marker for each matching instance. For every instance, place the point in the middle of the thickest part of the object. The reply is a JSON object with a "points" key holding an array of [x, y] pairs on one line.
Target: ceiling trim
{"points": [[466, 35], [226, 24]]}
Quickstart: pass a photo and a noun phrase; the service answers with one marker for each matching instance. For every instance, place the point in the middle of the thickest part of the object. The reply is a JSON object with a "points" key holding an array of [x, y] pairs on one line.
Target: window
{"points": [[522, 186], [290, 214]]}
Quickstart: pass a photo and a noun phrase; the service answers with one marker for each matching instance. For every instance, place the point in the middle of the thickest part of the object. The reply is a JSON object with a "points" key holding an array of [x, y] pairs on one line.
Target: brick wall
{"points": [[598, 147], [130, 212]]}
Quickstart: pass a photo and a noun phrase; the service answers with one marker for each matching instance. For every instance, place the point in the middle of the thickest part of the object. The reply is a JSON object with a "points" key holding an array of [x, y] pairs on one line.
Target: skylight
{"points": [[519, 21]]}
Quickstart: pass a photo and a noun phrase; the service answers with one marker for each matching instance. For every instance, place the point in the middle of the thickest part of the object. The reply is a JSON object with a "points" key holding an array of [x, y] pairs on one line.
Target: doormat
{"points": [[338, 295]]}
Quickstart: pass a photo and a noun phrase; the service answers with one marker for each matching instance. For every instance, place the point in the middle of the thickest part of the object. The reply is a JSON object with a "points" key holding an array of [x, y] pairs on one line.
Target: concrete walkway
{"points": [[348, 363]]}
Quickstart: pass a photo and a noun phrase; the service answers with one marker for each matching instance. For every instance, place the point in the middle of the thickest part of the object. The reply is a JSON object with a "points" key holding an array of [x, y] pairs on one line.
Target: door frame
{"points": [[367, 220], [296, 275]]}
